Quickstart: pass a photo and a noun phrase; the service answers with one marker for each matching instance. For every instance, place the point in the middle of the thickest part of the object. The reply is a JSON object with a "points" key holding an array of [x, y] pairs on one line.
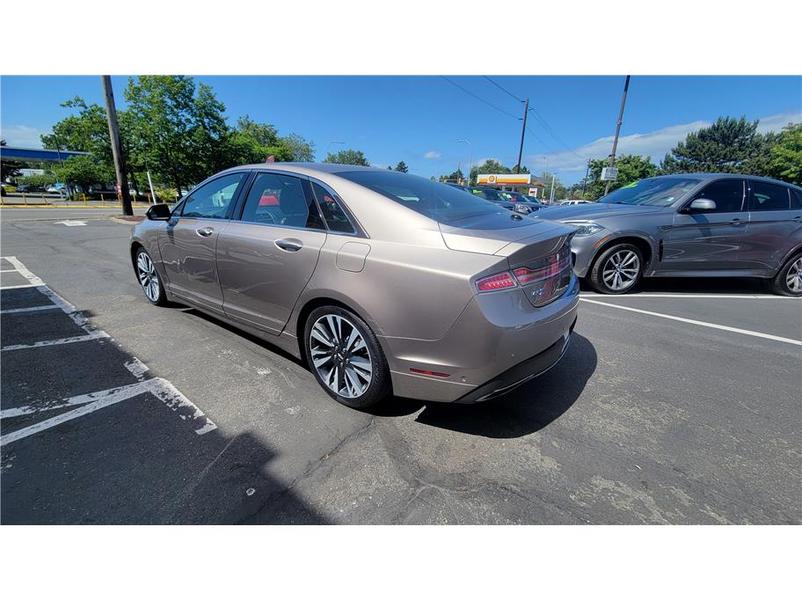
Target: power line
{"points": [[503, 89], [480, 99]]}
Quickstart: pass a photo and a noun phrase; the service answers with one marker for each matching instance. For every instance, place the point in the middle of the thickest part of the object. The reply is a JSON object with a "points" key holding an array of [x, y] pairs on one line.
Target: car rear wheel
{"points": [[149, 279], [788, 281], [345, 357], [617, 270]]}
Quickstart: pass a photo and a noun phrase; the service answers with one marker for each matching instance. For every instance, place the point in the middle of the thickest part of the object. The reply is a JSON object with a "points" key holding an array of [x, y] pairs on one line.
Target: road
{"points": [[677, 405]]}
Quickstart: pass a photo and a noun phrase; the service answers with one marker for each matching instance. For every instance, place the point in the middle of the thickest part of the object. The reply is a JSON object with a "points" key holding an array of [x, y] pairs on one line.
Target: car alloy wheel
{"points": [[621, 270], [148, 278], [793, 278], [340, 356]]}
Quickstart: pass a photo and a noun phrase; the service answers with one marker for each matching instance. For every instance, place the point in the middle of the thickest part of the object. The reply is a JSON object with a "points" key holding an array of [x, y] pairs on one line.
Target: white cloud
{"points": [[654, 144], [432, 155], [22, 135]]}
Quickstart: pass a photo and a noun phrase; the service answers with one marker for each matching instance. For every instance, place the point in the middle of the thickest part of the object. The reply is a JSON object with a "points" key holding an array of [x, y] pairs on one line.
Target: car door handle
{"points": [[289, 245], [205, 231], [798, 218], [737, 222]]}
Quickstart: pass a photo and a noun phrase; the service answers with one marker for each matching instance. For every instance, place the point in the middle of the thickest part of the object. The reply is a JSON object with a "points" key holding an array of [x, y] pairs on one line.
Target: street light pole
{"points": [[470, 158], [618, 129], [116, 147], [523, 131]]}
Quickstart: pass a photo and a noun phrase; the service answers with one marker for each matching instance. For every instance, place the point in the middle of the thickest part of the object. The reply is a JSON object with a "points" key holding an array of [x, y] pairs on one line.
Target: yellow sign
{"points": [[504, 178]]}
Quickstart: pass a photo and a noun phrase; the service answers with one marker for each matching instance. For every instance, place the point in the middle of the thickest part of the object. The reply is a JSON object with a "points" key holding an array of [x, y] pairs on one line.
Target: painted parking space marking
{"points": [[11, 311], [758, 334], [89, 403], [72, 223], [92, 335], [708, 296]]}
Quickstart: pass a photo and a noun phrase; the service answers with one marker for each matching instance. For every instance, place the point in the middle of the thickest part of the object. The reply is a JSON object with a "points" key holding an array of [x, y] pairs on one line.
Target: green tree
{"points": [[301, 149], [176, 129], [402, 167], [43, 180], [456, 176], [85, 131], [560, 191], [785, 156], [83, 171], [728, 146], [347, 157], [9, 168], [631, 167]]}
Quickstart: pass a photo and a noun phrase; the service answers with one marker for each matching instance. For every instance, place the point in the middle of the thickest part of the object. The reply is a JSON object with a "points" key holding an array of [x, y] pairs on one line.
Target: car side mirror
{"points": [[158, 212], [702, 204]]}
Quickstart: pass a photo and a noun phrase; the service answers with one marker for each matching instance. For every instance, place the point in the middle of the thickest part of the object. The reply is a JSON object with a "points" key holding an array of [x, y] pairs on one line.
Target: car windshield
{"points": [[440, 202], [659, 191]]}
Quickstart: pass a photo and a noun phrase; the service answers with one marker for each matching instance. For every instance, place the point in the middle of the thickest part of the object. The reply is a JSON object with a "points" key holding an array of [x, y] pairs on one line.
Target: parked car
{"points": [[27, 188], [503, 199], [572, 202], [520, 198], [383, 282], [56, 188], [694, 225]]}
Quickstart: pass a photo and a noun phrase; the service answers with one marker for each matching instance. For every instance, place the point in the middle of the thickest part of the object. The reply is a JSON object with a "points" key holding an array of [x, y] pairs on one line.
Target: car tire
{"points": [[788, 281], [345, 357], [149, 279], [617, 270]]}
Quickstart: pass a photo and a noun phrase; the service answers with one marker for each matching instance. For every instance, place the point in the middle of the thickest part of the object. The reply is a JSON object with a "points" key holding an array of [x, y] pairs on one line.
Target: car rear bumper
{"points": [[499, 342]]}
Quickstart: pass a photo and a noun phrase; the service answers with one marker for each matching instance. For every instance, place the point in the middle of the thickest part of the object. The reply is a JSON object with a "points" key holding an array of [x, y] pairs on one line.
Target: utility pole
{"points": [[523, 131], [618, 129], [585, 181], [116, 147], [551, 194]]}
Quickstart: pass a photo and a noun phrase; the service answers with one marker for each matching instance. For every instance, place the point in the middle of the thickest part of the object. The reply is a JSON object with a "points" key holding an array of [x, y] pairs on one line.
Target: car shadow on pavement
{"points": [[525, 410]]}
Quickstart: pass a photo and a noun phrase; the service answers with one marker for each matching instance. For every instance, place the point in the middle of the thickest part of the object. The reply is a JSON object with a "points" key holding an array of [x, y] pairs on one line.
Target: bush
{"points": [[37, 180], [166, 194]]}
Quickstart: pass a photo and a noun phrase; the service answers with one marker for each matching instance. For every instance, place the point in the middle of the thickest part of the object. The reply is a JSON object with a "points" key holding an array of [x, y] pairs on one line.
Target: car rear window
{"points": [[437, 201]]}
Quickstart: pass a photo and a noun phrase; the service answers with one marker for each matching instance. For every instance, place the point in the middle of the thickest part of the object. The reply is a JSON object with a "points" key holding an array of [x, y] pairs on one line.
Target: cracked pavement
{"points": [[644, 420]]}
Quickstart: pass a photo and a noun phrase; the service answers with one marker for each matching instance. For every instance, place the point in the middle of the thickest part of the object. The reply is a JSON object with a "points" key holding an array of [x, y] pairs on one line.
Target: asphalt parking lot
{"points": [[680, 404]]}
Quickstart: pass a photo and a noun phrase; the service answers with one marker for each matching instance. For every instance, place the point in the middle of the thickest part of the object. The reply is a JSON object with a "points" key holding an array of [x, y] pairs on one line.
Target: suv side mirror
{"points": [[702, 204], [158, 212]]}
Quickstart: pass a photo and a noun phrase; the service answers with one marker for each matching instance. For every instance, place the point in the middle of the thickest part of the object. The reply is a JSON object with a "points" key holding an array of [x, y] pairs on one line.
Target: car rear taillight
{"points": [[555, 265], [501, 281]]}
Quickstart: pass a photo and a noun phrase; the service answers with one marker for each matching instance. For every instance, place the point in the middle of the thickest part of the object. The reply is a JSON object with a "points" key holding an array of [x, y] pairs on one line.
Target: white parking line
{"points": [[23, 270], [709, 296], [10, 311], [18, 287], [92, 335], [758, 334], [89, 403]]}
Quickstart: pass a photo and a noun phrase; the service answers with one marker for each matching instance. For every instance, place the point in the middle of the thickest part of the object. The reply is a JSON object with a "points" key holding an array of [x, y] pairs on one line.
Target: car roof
{"points": [[710, 176], [307, 166]]}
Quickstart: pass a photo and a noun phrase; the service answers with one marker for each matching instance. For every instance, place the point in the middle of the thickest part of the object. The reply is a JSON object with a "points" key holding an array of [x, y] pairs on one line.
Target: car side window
{"points": [[281, 200], [796, 198], [768, 196], [212, 200], [333, 213], [728, 194]]}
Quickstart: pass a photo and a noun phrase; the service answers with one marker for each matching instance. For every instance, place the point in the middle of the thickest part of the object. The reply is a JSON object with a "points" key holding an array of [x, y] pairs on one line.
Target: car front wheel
{"points": [[788, 281], [149, 278], [345, 357], [618, 270]]}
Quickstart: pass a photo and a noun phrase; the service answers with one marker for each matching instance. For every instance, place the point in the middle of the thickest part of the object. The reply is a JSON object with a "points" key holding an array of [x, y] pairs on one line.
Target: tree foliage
{"points": [[83, 171], [728, 146], [347, 157], [631, 167], [785, 156], [402, 167]]}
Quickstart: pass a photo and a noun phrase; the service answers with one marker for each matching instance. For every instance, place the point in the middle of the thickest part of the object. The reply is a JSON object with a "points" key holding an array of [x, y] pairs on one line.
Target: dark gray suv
{"points": [[694, 225]]}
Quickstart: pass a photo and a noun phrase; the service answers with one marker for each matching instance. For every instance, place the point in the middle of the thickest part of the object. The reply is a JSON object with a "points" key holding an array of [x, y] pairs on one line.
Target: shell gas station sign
{"points": [[504, 179]]}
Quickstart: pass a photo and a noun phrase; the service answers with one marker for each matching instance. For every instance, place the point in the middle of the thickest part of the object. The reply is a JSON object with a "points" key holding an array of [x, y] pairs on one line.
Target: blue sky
{"points": [[420, 119]]}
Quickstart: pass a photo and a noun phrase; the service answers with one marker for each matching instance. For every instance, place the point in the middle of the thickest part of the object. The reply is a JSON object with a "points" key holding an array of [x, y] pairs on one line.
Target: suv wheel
{"points": [[788, 281], [617, 270], [345, 357]]}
